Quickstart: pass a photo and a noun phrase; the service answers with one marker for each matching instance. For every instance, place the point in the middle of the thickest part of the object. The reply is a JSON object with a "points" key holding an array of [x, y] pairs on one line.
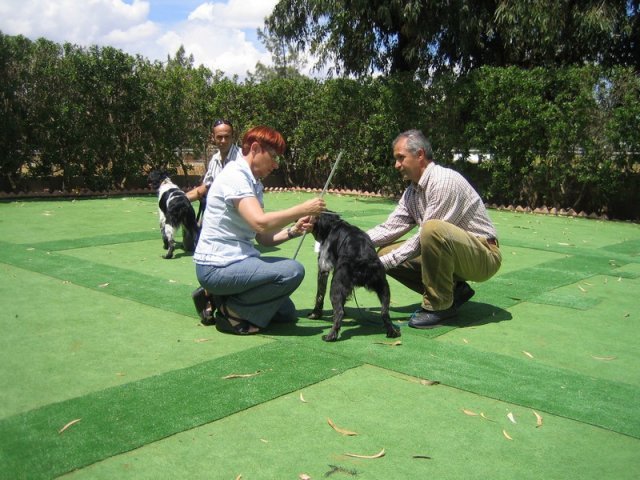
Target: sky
{"points": [[220, 34]]}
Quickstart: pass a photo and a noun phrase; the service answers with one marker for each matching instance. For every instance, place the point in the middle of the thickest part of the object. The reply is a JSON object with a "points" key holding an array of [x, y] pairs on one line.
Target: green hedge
{"points": [[560, 138]]}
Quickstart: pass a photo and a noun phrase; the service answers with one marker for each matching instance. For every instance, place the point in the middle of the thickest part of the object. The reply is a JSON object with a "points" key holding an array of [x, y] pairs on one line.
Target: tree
{"points": [[14, 106], [561, 33], [427, 36], [287, 61]]}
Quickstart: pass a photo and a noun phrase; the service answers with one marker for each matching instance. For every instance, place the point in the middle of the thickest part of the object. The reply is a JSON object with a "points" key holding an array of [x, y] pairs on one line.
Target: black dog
{"points": [[174, 210], [349, 252]]}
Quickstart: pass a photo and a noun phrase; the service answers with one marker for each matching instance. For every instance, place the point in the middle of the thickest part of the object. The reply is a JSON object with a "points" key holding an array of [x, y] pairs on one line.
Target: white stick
{"points": [[324, 190]]}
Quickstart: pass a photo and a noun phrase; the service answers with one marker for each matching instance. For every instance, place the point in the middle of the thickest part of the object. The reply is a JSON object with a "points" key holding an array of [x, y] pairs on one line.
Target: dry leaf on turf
{"points": [[377, 455], [72, 422], [606, 359], [429, 382], [511, 417], [241, 375], [102, 285], [469, 412], [304, 476], [506, 435], [538, 419], [485, 417], [302, 399], [340, 430], [201, 340], [390, 344], [527, 354]]}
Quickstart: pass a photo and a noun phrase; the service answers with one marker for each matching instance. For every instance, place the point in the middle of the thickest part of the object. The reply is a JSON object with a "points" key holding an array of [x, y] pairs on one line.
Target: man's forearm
{"points": [[196, 193]]}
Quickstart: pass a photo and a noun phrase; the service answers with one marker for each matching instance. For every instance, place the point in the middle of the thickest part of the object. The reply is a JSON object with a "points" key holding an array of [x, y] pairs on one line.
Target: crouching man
{"points": [[456, 240]]}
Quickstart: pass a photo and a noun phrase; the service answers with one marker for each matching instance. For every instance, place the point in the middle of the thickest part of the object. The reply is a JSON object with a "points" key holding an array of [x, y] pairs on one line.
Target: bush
{"points": [[565, 137]]}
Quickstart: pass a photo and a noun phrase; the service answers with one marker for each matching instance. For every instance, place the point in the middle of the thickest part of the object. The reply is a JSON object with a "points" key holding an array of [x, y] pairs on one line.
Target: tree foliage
{"points": [[96, 113], [358, 37], [96, 118]]}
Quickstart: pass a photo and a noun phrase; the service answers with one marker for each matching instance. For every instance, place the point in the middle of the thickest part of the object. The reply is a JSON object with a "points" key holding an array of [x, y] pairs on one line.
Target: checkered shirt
{"points": [[441, 193]]}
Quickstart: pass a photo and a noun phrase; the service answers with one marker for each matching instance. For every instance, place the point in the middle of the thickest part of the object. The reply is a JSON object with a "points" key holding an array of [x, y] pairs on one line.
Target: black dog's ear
{"points": [[155, 178], [330, 212]]}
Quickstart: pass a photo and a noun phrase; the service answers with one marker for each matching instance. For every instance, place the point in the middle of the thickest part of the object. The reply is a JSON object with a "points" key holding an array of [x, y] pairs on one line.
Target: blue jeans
{"points": [[256, 288]]}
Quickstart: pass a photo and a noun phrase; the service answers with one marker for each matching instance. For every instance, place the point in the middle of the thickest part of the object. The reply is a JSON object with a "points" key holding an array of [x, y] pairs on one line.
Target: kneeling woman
{"points": [[250, 291]]}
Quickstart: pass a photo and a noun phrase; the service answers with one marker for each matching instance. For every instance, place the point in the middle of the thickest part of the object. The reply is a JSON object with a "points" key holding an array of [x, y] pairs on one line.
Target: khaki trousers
{"points": [[448, 254]]}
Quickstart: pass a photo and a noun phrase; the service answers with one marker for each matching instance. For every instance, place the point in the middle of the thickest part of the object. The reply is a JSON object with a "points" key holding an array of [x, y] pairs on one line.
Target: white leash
{"points": [[324, 190]]}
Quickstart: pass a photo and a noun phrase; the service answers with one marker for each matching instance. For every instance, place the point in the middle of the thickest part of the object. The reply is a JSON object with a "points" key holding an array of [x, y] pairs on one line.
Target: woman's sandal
{"points": [[227, 323], [204, 306]]}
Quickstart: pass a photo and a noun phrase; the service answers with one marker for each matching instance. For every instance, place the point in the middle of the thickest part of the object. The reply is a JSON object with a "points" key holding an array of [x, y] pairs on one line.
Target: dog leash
{"points": [[324, 190]]}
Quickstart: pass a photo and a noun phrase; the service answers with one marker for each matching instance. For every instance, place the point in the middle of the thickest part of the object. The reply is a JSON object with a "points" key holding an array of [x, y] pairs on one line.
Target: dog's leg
{"points": [[168, 233], [341, 288], [163, 222], [320, 293], [190, 231], [384, 294]]}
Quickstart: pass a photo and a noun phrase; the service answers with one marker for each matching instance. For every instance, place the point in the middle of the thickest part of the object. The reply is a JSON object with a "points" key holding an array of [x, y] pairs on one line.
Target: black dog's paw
{"points": [[315, 315], [168, 256], [330, 337], [393, 332]]}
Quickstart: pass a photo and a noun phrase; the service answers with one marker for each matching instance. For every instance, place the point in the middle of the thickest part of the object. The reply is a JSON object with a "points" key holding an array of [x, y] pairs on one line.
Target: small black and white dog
{"points": [[174, 210], [350, 253]]}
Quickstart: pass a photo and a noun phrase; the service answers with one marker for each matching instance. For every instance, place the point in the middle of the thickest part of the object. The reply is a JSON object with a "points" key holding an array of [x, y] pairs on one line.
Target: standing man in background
{"points": [[223, 138], [228, 151]]}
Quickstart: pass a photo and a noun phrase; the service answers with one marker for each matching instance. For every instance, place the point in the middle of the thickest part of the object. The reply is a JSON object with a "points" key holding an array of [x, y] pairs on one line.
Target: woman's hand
{"points": [[315, 206], [304, 224]]}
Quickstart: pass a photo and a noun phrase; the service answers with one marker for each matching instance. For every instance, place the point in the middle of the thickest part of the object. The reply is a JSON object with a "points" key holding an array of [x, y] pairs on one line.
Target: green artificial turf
{"points": [[97, 326], [96, 275], [128, 416], [61, 341], [423, 430]]}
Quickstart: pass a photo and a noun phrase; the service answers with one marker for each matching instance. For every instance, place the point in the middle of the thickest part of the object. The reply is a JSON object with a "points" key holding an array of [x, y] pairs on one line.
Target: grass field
{"points": [[538, 378]]}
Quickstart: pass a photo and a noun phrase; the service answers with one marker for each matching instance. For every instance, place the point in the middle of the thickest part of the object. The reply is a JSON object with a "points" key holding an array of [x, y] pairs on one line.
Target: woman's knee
{"points": [[292, 272]]}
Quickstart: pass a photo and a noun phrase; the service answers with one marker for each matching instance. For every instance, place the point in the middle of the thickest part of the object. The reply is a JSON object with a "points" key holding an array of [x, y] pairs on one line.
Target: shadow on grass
{"points": [[361, 322], [356, 321], [476, 314]]}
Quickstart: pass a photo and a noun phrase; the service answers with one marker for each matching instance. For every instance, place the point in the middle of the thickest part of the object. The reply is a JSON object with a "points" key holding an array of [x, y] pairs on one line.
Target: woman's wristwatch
{"points": [[291, 233]]}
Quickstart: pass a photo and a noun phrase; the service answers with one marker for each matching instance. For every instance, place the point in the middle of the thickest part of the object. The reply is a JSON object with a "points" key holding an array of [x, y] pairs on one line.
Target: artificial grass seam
{"points": [[126, 417], [95, 241]]}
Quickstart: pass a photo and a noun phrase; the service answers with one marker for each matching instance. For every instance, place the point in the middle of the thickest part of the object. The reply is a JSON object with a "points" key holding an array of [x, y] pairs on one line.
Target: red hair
{"points": [[267, 138]]}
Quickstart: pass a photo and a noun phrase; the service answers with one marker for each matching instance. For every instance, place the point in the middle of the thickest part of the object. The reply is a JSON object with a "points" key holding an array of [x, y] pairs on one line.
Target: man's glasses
{"points": [[222, 121]]}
